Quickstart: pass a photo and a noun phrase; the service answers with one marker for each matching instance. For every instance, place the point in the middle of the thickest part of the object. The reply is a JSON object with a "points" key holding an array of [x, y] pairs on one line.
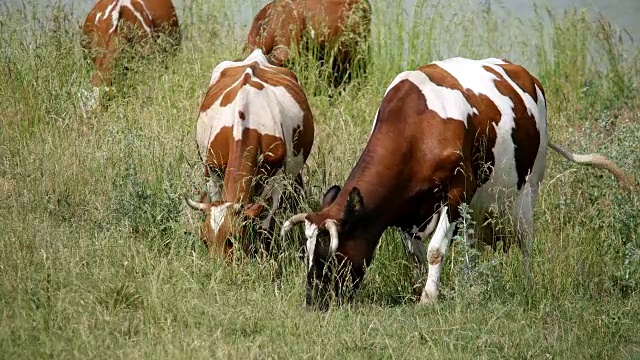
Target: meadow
{"points": [[100, 256]]}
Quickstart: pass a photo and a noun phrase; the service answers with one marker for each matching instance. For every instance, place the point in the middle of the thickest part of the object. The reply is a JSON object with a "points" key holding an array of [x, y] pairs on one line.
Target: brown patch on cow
{"points": [[522, 78], [525, 133], [254, 155], [441, 77], [228, 77], [219, 149], [241, 115], [434, 257], [484, 138], [131, 25], [230, 95]]}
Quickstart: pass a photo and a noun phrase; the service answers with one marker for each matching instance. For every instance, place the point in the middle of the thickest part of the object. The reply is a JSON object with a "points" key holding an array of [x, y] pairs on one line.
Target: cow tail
{"points": [[598, 161]]}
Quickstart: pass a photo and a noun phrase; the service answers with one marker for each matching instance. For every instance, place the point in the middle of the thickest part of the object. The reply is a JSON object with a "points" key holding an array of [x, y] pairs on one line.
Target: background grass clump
{"points": [[100, 257]]}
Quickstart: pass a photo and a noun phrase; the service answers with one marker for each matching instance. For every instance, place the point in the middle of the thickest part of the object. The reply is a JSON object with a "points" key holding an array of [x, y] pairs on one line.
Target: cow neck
{"points": [[383, 182], [241, 172]]}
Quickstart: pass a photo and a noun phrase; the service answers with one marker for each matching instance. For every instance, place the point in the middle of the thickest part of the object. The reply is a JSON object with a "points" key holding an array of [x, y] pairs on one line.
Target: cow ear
{"points": [[204, 197], [253, 210], [355, 205], [330, 196]]}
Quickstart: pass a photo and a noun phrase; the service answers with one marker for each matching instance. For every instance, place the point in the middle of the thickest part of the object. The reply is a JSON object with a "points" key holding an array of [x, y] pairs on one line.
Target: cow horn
{"points": [[330, 224], [292, 221], [196, 205]]}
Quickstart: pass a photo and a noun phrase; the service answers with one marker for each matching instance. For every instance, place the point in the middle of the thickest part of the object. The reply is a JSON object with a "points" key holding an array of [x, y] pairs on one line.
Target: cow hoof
{"points": [[430, 294]]}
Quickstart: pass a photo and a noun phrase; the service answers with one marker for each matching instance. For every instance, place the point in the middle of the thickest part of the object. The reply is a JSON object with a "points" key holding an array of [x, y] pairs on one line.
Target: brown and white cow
{"points": [[255, 124], [338, 28], [454, 131], [112, 24]]}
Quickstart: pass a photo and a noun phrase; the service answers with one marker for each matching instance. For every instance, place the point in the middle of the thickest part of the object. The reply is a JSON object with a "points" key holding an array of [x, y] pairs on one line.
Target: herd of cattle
{"points": [[451, 132]]}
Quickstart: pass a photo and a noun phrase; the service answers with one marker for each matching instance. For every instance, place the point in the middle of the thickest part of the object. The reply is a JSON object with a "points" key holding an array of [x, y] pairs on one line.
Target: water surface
{"points": [[625, 14]]}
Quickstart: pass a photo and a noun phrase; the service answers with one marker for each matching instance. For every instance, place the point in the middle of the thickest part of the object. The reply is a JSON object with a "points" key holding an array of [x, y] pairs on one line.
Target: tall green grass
{"points": [[99, 257]]}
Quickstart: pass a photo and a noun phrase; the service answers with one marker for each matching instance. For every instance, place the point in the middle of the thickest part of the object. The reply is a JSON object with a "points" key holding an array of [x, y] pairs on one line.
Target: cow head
{"points": [[226, 224], [338, 247]]}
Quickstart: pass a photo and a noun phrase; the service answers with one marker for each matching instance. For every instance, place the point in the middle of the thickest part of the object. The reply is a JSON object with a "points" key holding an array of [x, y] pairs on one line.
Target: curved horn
{"points": [[292, 221], [330, 224], [195, 205]]}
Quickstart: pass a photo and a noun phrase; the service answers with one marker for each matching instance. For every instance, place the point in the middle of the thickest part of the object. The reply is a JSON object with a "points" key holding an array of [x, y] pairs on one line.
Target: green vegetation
{"points": [[100, 257]]}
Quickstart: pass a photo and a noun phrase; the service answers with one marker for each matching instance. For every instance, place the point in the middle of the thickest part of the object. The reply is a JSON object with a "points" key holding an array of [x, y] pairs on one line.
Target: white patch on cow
{"points": [[217, 216], [270, 111], [447, 103], [311, 232], [89, 99], [114, 9]]}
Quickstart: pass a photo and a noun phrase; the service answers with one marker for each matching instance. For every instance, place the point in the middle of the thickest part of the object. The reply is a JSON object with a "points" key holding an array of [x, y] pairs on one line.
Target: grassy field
{"points": [[100, 257]]}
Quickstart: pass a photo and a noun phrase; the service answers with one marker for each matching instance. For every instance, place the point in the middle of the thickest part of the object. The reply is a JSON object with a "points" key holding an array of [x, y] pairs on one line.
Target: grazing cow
{"points": [[254, 124], [452, 132], [339, 29], [112, 24]]}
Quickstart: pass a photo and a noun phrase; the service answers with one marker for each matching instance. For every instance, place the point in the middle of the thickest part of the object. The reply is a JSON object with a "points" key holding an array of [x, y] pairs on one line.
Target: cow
{"points": [[255, 127], [451, 132], [337, 29], [113, 24]]}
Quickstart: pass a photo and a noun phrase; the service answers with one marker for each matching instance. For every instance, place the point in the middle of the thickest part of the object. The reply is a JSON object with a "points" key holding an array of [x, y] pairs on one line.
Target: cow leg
{"points": [[414, 247], [523, 214], [435, 256], [89, 100], [416, 253], [276, 195], [273, 189], [297, 194], [214, 187]]}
